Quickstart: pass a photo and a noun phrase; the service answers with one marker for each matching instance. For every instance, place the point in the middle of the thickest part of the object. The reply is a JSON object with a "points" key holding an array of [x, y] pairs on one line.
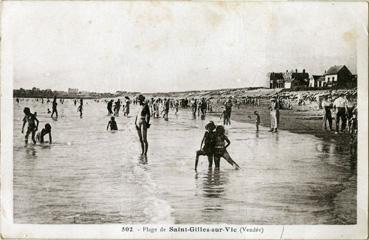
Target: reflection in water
{"points": [[285, 178], [143, 159], [31, 152], [213, 184]]}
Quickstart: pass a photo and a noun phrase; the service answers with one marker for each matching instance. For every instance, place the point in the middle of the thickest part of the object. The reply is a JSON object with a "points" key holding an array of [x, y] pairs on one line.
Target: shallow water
{"points": [[90, 175]]}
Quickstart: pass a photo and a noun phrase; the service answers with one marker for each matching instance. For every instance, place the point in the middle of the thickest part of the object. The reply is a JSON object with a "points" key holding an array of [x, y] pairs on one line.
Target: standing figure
{"points": [[340, 107], [55, 110], [220, 149], [257, 120], [117, 107], [228, 110], [110, 106], [274, 115], [127, 108], [327, 106], [80, 108], [142, 123], [32, 124], [203, 108], [208, 148]]}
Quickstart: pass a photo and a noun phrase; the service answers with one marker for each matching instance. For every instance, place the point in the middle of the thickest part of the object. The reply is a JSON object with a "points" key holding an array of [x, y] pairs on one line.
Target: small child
{"points": [[40, 135], [113, 124], [208, 148], [221, 148], [32, 124], [257, 121]]}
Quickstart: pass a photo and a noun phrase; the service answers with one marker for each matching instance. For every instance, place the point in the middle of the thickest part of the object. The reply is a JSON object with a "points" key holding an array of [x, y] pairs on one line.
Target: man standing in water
{"points": [[228, 109], [80, 108], [55, 110], [110, 106], [142, 123]]}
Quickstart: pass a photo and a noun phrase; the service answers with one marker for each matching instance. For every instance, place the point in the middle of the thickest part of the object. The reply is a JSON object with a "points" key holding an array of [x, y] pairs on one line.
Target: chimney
{"points": [[296, 70], [303, 70]]}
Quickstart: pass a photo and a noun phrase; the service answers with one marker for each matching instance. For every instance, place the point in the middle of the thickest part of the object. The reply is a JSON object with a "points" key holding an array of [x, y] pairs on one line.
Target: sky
{"points": [[175, 46]]}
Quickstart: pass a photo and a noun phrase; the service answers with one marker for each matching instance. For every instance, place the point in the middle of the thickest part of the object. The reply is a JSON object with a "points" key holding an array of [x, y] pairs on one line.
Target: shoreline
{"points": [[295, 121]]}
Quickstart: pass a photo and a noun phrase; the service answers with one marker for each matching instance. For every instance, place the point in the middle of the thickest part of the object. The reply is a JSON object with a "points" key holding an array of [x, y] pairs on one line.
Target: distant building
{"points": [[338, 76], [320, 82], [296, 79], [72, 91], [313, 81], [276, 80]]}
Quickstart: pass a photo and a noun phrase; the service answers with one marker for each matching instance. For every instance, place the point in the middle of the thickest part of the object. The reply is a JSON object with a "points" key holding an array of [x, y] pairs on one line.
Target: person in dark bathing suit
{"points": [[220, 149], [208, 148], [142, 123], [112, 124], [55, 110], [41, 135], [32, 124]]}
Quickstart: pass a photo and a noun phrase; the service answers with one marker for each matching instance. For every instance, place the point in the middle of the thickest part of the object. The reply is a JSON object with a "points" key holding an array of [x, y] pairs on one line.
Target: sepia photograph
{"points": [[181, 119]]}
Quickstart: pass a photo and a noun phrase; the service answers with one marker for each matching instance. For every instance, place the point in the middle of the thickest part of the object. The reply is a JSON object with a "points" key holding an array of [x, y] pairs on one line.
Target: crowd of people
{"points": [[214, 142]]}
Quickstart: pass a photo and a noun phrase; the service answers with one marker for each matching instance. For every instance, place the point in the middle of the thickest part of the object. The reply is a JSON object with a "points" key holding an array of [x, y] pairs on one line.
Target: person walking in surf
{"points": [[142, 123], [55, 110]]}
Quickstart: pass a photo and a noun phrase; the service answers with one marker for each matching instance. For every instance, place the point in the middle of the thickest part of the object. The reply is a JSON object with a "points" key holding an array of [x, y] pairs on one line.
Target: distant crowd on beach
{"points": [[215, 142]]}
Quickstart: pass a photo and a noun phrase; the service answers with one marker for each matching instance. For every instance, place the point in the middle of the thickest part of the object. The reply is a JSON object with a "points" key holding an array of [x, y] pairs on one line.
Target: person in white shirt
{"points": [[327, 105], [340, 107]]}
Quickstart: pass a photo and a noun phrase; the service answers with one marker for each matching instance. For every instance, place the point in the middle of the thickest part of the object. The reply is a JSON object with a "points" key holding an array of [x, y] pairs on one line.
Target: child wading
{"points": [[220, 150], [32, 124], [208, 141], [112, 124], [41, 135]]}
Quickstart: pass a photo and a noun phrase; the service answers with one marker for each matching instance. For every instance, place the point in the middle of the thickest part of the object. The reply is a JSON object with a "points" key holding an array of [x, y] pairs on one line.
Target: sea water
{"points": [[91, 175]]}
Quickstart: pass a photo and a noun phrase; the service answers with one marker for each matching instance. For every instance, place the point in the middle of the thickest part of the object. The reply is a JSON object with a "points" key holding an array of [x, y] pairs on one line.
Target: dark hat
{"points": [[141, 97]]}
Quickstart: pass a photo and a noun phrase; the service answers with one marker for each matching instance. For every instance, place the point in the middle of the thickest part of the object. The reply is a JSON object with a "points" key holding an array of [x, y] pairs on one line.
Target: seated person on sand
{"points": [[41, 135], [208, 141]]}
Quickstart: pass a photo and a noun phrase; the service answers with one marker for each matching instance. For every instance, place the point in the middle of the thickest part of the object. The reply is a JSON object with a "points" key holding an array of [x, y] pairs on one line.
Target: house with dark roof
{"points": [[338, 76], [276, 80], [296, 79]]}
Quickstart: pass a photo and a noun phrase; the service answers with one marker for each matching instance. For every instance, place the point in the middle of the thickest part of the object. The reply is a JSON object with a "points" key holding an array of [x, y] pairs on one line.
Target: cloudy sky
{"points": [[174, 46]]}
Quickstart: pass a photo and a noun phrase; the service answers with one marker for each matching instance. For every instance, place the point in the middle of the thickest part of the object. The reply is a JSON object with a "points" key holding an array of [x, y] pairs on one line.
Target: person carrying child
{"points": [[41, 135], [220, 149], [208, 141], [32, 124], [112, 124]]}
